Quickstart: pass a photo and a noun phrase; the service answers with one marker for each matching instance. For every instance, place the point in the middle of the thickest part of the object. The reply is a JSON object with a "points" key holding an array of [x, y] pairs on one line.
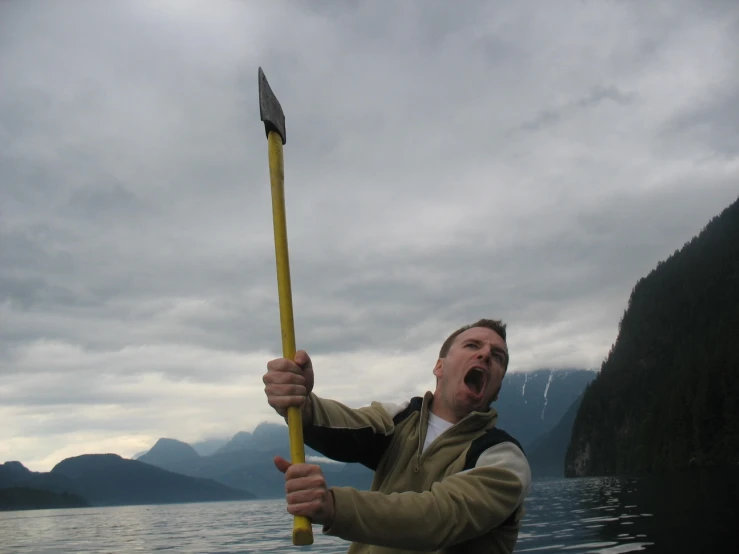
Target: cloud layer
{"points": [[528, 164]]}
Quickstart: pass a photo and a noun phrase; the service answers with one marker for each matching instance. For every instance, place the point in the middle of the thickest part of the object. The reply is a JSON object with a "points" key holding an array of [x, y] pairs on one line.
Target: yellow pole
{"points": [[302, 530]]}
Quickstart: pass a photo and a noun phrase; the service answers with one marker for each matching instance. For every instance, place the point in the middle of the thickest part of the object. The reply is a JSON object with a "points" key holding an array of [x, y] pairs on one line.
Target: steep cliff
{"points": [[667, 395]]}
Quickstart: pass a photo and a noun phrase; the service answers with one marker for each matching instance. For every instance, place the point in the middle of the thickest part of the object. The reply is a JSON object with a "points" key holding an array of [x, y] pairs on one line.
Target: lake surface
{"points": [[692, 512]]}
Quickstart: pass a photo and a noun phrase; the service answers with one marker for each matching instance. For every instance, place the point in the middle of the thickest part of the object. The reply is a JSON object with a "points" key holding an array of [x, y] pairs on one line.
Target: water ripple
{"points": [[598, 515]]}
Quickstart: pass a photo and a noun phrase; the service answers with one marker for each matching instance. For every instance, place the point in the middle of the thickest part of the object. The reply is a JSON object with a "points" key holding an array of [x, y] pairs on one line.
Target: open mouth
{"points": [[475, 380]]}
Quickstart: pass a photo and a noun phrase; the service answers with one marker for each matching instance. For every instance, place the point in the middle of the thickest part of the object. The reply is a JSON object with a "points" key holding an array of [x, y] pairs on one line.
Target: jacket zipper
{"points": [[423, 424]]}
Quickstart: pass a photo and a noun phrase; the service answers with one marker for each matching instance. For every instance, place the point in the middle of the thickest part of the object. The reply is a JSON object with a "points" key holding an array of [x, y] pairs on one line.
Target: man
{"points": [[446, 479]]}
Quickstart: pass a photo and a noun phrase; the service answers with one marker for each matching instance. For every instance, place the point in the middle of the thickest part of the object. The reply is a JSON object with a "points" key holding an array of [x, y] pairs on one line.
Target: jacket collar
{"points": [[473, 420]]}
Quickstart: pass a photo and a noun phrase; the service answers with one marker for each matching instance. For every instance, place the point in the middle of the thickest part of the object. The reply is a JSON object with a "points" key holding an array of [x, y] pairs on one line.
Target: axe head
{"points": [[270, 110]]}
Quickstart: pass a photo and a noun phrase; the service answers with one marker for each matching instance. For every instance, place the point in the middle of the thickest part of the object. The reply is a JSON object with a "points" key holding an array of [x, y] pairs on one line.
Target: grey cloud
{"points": [[68, 424], [596, 95], [546, 117], [355, 303], [599, 94], [54, 392], [593, 261], [135, 208], [714, 122]]}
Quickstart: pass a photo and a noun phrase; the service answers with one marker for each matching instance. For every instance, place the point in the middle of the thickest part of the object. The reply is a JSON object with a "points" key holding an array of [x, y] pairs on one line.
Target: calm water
{"points": [[690, 513]]}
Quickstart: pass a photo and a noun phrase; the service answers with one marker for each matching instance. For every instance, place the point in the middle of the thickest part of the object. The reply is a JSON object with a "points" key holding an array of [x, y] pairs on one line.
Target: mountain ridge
{"points": [[244, 462], [109, 480], [667, 395], [530, 405]]}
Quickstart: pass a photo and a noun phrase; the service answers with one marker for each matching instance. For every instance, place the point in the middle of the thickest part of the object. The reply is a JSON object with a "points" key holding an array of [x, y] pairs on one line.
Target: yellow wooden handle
{"points": [[302, 530]]}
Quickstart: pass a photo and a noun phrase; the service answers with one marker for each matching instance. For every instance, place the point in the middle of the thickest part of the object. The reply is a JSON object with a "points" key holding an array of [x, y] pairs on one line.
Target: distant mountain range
{"points": [[530, 407], [246, 462], [209, 446], [108, 480]]}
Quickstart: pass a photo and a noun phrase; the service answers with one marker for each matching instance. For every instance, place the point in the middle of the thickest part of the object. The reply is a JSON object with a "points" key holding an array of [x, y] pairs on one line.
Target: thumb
{"points": [[282, 464], [303, 360], [306, 365]]}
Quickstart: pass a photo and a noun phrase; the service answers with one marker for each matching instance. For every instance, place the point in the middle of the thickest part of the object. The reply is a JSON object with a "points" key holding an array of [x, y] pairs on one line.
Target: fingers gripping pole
{"points": [[302, 530]]}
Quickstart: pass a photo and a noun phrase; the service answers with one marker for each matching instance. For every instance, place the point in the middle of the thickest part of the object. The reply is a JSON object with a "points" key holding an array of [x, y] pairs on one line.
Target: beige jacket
{"points": [[465, 493]]}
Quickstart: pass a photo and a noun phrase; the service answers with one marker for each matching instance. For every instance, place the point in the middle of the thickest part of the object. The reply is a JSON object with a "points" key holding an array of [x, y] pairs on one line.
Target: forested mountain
{"points": [[667, 396], [27, 498]]}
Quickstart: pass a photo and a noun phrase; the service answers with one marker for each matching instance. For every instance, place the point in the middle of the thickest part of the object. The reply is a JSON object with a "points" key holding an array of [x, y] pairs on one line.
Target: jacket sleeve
{"points": [[352, 435], [461, 507]]}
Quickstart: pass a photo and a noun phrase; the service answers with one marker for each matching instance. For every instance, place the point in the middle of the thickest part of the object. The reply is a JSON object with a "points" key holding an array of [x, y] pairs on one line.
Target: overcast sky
{"points": [[526, 161]]}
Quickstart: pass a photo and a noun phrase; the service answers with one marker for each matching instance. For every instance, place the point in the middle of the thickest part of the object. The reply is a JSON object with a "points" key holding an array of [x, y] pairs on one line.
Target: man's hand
{"points": [[288, 383], [307, 492]]}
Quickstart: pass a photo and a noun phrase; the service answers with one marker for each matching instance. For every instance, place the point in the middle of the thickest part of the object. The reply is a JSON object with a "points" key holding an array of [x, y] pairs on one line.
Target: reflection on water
{"points": [[582, 515], [692, 512], [687, 512]]}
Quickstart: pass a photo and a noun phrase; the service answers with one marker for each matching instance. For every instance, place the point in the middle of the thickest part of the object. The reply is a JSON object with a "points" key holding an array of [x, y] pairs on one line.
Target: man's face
{"points": [[471, 374]]}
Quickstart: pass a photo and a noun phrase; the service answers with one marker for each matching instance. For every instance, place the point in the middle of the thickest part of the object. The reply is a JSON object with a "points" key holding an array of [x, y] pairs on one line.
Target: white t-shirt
{"points": [[435, 428]]}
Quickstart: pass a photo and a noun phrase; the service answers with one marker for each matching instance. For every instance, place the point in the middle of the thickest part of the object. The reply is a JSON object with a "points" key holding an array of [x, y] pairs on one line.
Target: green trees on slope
{"points": [[667, 396]]}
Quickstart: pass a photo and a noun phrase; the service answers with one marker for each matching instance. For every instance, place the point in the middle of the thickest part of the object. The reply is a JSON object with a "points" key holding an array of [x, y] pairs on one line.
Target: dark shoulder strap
{"points": [[413, 406], [490, 438]]}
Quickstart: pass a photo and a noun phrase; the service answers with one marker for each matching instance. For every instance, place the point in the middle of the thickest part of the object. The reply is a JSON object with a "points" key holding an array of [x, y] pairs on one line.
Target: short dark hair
{"points": [[495, 324]]}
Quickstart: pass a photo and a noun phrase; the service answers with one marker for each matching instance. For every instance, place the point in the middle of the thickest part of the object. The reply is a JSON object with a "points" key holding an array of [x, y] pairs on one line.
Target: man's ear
{"points": [[439, 368]]}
